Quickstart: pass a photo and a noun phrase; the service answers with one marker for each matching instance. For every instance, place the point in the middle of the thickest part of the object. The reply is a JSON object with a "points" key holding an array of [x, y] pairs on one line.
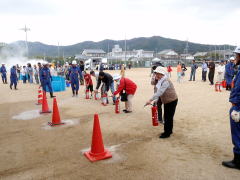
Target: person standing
{"points": [[36, 73], [74, 73], [129, 87], [13, 77], [220, 72], [24, 74], [235, 117], [229, 73], [3, 72], [167, 93], [211, 72], [107, 79], [88, 82], [179, 72], [158, 103], [46, 78], [169, 70], [204, 71], [122, 73], [193, 71]]}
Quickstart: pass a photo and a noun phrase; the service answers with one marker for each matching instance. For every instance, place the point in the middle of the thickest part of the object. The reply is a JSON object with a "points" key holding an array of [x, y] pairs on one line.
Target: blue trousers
{"points": [[75, 85], [47, 84], [4, 77], [13, 82], [235, 131], [192, 75]]}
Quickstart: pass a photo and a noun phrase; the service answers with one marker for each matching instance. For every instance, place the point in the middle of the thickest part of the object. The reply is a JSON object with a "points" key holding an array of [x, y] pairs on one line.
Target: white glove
{"points": [[235, 115]]}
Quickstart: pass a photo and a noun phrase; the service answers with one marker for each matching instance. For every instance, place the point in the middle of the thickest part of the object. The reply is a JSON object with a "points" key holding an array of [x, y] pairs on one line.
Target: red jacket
{"points": [[88, 79], [126, 84]]}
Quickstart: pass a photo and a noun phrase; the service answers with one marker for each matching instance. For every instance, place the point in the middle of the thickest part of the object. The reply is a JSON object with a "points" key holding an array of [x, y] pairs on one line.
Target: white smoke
{"points": [[16, 54]]}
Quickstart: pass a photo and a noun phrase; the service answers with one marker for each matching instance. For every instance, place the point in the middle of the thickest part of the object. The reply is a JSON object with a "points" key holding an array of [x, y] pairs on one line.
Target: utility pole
{"points": [[25, 29], [125, 50], [58, 51]]}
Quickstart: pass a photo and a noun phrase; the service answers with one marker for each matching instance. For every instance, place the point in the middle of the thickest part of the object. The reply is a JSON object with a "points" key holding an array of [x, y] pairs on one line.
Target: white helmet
{"points": [[232, 58], [44, 63], [116, 76], [160, 70], [66, 63], [237, 50], [74, 62]]}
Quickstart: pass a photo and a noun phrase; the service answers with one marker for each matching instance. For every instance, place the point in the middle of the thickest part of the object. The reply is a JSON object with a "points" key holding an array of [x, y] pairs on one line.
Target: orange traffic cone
{"points": [[39, 96], [97, 152], [45, 108], [56, 120]]}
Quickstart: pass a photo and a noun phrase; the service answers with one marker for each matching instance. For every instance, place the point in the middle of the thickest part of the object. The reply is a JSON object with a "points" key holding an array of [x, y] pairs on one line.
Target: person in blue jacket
{"points": [[3, 72], [229, 73], [13, 77], [235, 117], [46, 78], [74, 73]]}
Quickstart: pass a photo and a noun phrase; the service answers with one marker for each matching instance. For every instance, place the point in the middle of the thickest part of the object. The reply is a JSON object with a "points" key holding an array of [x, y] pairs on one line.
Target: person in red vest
{"points": [[125, 84], [169, 70], [88, 82]]}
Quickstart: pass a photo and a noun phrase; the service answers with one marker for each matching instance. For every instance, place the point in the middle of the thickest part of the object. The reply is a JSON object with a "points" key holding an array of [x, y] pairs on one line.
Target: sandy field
{"points": [[29, 149]]}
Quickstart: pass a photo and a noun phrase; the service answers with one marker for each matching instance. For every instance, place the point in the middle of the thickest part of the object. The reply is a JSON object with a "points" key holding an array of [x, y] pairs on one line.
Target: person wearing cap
{"points": [[235, 117], [167, 93], [74, 73], [108, 82], [125, 84], [229, 73], [13, 77], [46, 78], [3, 72], [220, 72]]}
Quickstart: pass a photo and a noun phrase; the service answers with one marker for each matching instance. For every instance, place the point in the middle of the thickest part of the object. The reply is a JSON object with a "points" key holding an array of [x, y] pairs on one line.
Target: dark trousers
{"points": [[211, 76], [192, 75], [169, 111], [204, 75]]}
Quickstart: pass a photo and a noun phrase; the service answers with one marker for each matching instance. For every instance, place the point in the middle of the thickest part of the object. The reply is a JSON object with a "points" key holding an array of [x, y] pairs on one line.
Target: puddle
{"points": [[27, 115], [68, 122]]}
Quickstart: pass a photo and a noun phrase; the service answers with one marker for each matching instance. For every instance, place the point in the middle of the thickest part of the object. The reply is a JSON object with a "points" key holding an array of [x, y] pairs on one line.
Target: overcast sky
{"points": [[73, 21]]}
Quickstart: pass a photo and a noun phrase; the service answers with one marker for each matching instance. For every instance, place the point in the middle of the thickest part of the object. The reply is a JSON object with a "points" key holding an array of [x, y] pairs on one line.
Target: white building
{"points": [[167, 54], [93, 53], [118, 53]]}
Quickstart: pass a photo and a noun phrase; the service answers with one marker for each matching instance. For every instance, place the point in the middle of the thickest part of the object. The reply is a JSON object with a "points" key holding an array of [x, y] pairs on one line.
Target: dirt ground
{"points": [[201, 138]]}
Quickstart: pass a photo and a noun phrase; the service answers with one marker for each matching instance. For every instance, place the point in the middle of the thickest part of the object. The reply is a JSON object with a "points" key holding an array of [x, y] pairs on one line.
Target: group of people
{"points": [[164, 93]]}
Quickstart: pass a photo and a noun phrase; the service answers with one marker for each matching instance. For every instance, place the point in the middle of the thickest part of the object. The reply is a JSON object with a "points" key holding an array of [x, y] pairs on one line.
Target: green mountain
{"points": [[155, 43]]}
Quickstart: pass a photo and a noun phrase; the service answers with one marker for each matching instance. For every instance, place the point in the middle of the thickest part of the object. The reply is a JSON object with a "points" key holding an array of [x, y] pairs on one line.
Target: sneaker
{"points": [[124, 110], [127, 111], [163, 135]]}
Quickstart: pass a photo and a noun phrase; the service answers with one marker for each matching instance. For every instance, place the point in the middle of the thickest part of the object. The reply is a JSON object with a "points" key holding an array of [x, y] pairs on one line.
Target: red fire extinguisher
{"points": [[96, 96], [117, 106], [87, 93], [217, 86], [104, 99], [154, 115]]}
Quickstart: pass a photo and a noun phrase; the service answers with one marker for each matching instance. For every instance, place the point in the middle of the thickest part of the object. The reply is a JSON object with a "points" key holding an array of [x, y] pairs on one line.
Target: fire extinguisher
{"points": [[87, 93], [154, 115], [217, 86], [104, 99], [232, 84], [117, 106], [96, 96]]}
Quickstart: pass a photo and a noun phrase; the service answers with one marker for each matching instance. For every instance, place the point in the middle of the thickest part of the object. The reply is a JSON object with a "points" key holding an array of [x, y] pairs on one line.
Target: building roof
{"points": [[94, 51], [200, 54], [168, 52]]}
